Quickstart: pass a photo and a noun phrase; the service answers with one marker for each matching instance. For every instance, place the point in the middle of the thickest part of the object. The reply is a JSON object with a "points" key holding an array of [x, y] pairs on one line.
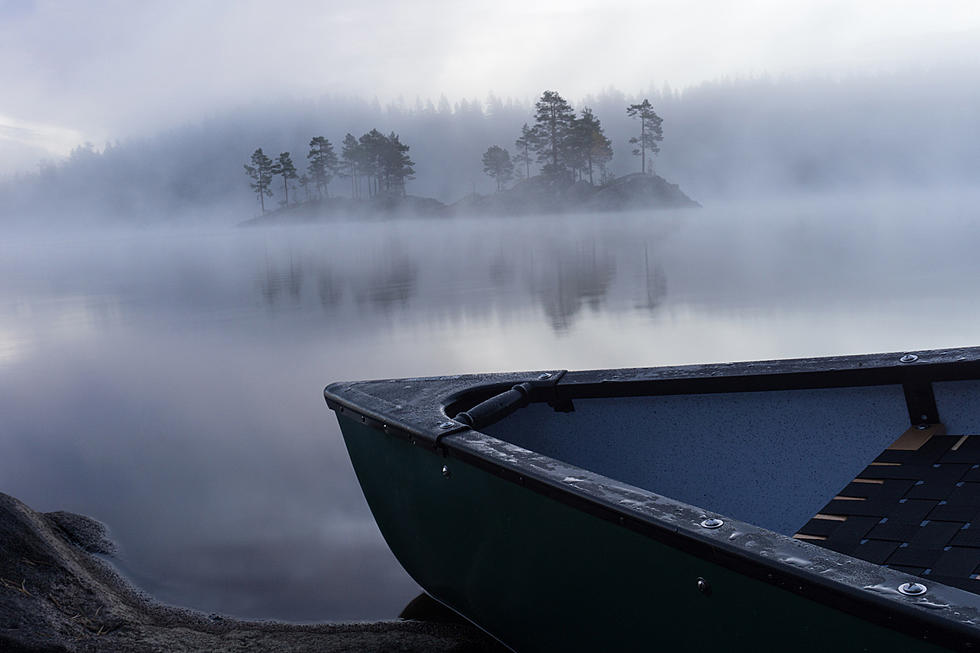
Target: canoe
{"points": [[828, 504]]}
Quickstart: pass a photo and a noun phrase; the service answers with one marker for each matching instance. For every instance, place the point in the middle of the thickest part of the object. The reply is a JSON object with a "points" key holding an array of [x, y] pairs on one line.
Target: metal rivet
{"points": [[544, 377], [909, 358], [912, 589], [446, 425], [713, 522], [703, 586], [445, 471]]}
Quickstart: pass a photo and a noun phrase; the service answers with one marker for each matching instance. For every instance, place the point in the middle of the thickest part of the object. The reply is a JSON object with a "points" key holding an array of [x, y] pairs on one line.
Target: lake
{"points": [[168, 381]]}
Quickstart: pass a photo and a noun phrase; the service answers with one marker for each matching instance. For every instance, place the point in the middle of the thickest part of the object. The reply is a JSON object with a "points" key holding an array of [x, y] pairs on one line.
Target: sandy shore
{"points": [[56, 596]]}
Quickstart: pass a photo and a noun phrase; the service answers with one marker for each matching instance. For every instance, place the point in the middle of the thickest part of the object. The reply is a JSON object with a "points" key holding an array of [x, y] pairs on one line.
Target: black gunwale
{"points": [[421, 410]]}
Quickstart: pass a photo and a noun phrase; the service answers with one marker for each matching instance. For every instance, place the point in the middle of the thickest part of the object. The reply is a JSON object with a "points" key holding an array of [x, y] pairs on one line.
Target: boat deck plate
{"points": [[915, 508]]}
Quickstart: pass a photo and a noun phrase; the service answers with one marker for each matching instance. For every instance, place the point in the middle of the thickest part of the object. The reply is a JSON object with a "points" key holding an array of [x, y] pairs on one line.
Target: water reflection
{"points": [[281, 280], [561, 278], [390, 284], [654, 284], [169, 383], [564, 282]]}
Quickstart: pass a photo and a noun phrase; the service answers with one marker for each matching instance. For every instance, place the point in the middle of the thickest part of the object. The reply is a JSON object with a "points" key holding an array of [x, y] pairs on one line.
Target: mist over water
{"points": [[168, 381], [750, 139]]}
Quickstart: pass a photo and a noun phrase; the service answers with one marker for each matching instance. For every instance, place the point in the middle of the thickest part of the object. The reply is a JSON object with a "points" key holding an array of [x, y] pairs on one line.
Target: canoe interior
{"points": [[819, 464]]}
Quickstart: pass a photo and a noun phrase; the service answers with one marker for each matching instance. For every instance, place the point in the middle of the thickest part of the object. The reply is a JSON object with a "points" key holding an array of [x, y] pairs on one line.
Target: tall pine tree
{"points": [[651, 132], [524, 145], [322, 164], [350, 157], [397, 166], [371, 153], [553, 118], [284, 166], [261, 172], [589, 146]]}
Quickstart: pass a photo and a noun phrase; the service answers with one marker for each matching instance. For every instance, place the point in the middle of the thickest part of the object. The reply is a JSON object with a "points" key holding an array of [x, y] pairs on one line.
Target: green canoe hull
{"points": [[539, 574]]}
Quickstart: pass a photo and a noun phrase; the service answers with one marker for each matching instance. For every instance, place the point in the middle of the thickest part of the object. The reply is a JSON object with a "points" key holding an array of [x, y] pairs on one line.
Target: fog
{"points": [[161, 368], [753, 139]]}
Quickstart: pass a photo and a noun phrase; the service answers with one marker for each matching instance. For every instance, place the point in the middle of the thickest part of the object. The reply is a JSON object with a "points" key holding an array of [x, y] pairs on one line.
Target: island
{"points": [[572, 152]]}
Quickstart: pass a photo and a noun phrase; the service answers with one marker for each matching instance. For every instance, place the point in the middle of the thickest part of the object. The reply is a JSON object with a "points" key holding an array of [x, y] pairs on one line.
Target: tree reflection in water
{"points": [[470, 281]]}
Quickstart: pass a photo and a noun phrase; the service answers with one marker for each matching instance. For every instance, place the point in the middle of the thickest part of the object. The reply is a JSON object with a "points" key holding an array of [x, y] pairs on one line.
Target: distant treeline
{"points": [[747, 139], [567, 147]]}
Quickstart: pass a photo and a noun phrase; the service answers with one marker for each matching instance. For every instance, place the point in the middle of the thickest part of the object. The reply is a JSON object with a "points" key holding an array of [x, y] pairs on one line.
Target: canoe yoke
{"points": [[491, 410]]}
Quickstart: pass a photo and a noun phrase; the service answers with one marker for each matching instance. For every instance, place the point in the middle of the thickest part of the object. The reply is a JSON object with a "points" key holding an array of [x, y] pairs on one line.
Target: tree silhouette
{"points": [[396, 165], [284, 166], [261, 172], [588, 146], [305, 183], [651, 131], [350, 157], [370, 150], [524, 145], [384, 161], [497, 164], [552, 120], [322, 164]]}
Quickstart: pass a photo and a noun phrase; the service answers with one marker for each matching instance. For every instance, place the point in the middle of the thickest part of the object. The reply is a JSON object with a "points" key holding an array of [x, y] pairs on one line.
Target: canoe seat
{"points": [[915, 508]]}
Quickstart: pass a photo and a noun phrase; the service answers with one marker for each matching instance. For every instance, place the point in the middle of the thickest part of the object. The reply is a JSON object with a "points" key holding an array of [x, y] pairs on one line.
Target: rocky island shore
{"points": [[56, 594], [535, 196]]}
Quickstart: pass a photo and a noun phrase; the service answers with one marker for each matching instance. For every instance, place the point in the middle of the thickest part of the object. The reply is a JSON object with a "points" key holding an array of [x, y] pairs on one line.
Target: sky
{"points": [[105, 70]]}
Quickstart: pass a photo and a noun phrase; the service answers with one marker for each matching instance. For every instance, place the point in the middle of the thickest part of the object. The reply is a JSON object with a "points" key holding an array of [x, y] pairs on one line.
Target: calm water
{"points": [[169, 382]]}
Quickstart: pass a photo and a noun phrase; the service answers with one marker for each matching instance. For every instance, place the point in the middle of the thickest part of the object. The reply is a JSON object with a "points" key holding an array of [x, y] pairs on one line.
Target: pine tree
{"points": [[524, 145], [261, 171], [497, 164], [651, 131], [322, 164], [552, 121], [350, 156], [371, 151], [397, 166], [589, 146], [284, 166]]}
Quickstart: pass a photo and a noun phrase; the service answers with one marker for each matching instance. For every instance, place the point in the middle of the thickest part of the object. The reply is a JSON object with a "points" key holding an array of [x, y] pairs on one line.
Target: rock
{"points": [[56, 596], [89, 534], [639, 191], [543, 195], [537, 195], [385, 205]]}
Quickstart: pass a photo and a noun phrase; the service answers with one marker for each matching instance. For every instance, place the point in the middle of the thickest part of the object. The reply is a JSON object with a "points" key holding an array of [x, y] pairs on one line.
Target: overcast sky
{"points": [[96, 70]]}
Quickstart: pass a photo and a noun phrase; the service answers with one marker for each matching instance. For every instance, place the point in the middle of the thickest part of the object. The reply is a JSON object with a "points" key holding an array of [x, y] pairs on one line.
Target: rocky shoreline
{"points": [[57, 595], [535, 196]]}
